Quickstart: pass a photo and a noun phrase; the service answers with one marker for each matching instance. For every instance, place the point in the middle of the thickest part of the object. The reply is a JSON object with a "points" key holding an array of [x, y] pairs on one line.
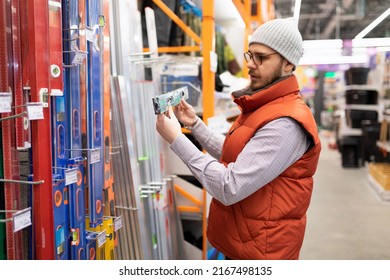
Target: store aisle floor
{"points": [[346, 218]]}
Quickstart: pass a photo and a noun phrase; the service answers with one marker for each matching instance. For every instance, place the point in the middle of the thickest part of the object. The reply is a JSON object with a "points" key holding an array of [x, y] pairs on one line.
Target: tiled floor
{"points": [[346, 218]]}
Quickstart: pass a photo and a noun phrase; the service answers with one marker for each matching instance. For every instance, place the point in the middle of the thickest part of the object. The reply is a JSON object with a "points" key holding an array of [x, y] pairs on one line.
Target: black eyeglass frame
{"points": [[256, 56]]}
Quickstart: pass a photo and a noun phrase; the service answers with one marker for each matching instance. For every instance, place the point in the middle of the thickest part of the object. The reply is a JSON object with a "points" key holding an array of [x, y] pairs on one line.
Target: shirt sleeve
{"points": [[210, 141], [271, 150]]}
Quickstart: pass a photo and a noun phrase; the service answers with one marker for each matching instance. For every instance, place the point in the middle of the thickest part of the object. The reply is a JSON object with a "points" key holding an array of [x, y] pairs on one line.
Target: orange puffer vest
{"points": [[269, 224]]}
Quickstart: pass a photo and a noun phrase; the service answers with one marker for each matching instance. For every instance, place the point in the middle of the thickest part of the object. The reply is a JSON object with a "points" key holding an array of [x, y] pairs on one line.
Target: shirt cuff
{"points": [[200, 130], [184, 148]]}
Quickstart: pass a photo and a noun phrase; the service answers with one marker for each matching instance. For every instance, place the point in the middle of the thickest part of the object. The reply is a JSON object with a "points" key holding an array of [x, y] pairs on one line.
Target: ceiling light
{"points": [[297, 10], [383, 49], [322, 44], [373, 24], [371, 42], [321, 60]]}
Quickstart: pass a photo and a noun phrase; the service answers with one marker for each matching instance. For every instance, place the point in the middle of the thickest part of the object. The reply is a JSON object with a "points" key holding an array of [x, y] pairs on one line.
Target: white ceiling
{"points": [[336, 19], [322, 19]]}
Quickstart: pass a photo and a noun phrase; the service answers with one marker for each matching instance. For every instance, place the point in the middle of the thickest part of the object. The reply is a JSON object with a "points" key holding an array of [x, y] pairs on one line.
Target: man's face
{"points": [[268, 67]]}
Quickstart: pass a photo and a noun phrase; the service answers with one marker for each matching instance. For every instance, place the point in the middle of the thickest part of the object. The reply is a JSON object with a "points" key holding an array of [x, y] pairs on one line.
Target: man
{"points": [[262, 182]]}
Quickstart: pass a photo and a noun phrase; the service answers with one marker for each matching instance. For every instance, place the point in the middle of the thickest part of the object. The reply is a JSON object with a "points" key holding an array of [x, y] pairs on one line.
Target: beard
{"points": [[264, 81]]}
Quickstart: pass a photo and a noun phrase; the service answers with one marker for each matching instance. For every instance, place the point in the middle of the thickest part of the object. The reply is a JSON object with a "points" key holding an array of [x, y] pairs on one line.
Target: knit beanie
{"points": [[283, 36]]}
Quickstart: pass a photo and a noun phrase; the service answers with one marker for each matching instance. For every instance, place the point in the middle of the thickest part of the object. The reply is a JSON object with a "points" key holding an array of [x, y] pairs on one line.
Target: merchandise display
{"points": [[73, 131], [84, 174], [10, 187]]}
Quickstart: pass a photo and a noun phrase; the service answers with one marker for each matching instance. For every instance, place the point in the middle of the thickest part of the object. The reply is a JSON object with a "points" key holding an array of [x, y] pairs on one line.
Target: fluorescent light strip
{"points": [[359, 51], [297, 10], [337, 44], [323, 52], [373, 24], [321, 60], [383, 49], [322, 44], [371, 42]]}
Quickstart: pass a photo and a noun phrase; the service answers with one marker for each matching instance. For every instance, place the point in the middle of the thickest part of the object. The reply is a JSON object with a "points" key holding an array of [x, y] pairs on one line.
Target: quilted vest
{"points": [[270, 223]]}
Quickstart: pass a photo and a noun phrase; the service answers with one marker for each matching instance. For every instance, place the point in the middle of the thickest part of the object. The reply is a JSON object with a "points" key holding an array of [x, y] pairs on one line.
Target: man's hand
{"points": [[185, 113], [168, 126]]}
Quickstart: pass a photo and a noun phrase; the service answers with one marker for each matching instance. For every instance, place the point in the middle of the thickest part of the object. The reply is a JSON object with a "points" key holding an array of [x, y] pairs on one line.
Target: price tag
{"points": [[213, 62], [56, 92], [118, 223], [70, 176], [101, 238], [5, 102], [54, 6], [35, 111], [162, 197], [21, 219], [79, 57], [95, 156], [89, 34]]}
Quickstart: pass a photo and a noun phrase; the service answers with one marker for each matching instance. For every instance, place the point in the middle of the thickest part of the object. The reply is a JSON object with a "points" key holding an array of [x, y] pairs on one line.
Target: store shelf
{"points": [[378, 189], [189, 200], [362, 87], [386, 113], [362, 107], [383, 145], [367, 107], [345, 130]]}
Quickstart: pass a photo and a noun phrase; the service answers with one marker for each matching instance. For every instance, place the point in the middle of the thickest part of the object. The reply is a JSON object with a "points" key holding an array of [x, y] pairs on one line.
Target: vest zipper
{"points": [[233, 130]]}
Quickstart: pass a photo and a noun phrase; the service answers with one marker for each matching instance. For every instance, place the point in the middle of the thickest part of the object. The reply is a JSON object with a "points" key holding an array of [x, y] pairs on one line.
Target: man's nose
{"points": [[251, 64]]}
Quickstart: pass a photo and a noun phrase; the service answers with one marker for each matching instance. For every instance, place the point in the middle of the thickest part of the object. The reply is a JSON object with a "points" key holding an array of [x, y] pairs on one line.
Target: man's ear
{"points": [[289, 67]]}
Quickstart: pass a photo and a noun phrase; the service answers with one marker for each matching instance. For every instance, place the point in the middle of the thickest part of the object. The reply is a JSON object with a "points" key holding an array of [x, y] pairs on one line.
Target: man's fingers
{"points": [[177, 109], [185, 104], [171, 115], [160, 117]]}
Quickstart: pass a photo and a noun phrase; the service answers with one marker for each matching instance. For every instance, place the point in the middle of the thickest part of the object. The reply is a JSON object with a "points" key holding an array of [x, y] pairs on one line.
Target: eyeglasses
{"points": [[256, 57]]}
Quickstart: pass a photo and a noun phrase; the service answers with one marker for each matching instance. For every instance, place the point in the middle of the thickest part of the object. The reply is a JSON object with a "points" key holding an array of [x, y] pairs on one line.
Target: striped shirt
{"points": [[272, 149]]}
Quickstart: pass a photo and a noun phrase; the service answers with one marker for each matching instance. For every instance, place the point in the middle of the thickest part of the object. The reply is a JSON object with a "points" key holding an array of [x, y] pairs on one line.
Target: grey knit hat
{"points": [[283, 36]]}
